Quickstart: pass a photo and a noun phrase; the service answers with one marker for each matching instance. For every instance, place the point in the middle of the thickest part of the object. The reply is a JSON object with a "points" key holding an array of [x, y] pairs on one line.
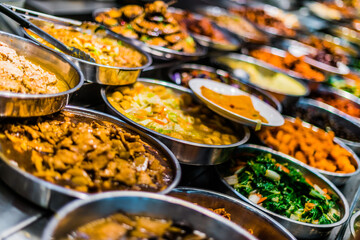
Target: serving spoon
{"points": [[72, 51]]}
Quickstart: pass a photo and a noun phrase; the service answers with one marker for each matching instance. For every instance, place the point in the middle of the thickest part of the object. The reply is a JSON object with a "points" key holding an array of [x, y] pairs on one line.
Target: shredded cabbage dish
{"points": [[176, 115]]}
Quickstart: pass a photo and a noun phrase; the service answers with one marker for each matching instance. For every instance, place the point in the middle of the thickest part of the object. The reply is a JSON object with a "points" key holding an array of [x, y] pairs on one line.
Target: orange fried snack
{"points": [[289, 62], [239, 104], [313, 147]]}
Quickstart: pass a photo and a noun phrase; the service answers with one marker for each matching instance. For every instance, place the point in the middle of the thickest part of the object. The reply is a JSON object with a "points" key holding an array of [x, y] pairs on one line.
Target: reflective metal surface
{"points": [[158, 52], [81, 212], [298, 229], [94, 72], [329, 118], [243, 214], [259, 37], [341, 95], [313, 85], [300, 49], [48, 195], [186, 152], [269, 99], [347, 33], [18, 212], [353, 220], [30, 105], [285, 99], [274, 12]]}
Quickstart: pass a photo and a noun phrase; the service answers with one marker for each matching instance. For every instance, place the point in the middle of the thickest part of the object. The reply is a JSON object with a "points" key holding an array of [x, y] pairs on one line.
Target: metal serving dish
{"points": [[81, 212], [344, 45], [298, 229], [338, 179], [338, 94], [94, 72], [353, 220], [32, 105], [285, 99], [186, 67], [48, 195], [313, 85], [233, 42], [301, 49], [243, 214], [247, 36], [157, 52], [185, 151], [328, 118], [276, 13], [347, 33]]}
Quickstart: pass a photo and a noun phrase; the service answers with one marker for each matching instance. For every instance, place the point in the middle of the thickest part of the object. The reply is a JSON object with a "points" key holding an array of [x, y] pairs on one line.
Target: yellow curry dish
{"points": [[265, 78], [239, 104], [93, 40], [176, 115]]}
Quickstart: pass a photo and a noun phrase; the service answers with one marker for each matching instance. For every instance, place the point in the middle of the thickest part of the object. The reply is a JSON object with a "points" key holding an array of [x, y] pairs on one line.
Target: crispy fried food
{"points": [[313, 147]]}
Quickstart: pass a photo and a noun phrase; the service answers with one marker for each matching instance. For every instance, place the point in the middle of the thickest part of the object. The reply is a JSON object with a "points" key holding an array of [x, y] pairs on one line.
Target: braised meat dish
{"points": [[84, 154], [152, 24], [201, 26], [19, 75]]}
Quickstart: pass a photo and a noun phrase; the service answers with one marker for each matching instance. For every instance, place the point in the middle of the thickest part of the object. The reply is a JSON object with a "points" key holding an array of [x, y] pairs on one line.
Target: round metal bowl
{"points": [[313, 85], [176, 78], [297, 48], [157, 52], [353, 220], [298, 229], [82, 212], [233, 42], [94, 72], [246, 35], [32, 105], [285, 99], [347, 33], [274, 12], [328, 118], [48, 195], [338, 179], [185, 151], [244, 215], [338, 94]]}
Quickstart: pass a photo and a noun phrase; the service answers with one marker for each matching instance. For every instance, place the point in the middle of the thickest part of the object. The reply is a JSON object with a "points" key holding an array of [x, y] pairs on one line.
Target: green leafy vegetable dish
{"points": [[282, 189]]}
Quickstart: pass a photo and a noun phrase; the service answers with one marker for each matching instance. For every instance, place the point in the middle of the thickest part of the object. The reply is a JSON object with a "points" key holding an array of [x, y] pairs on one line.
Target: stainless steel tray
{"points": [[298, 229], [98, 206], [243, 214], [94, 72], [51, 196], [186, 152], [33, 105], [285, 99], [157, 51]]}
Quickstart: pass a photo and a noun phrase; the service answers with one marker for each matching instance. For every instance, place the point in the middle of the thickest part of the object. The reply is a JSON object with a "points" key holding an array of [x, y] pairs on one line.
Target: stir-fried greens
{"points": [[283, 189]]}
